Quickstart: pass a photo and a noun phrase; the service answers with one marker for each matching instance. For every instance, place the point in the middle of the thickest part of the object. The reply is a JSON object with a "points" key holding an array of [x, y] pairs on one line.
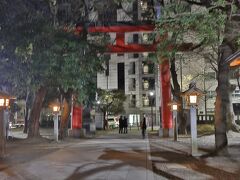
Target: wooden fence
{"points": [[205, 119]]}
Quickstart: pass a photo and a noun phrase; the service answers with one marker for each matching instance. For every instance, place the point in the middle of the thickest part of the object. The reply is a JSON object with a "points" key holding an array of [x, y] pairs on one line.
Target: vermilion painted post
{"points": [[167, 122], [77, 121], [77, 117]]}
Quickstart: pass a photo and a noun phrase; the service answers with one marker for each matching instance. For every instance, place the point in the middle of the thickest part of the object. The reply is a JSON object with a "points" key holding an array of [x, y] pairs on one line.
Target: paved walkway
{"points": [[106, 157], [118, 156]]}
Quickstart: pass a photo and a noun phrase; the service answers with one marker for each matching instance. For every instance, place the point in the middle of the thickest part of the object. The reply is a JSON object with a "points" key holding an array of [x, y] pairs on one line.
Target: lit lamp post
{"points": [[174, 108], [4, 103], [192, 97], [56, 108], [151, 95], [101, 117]]}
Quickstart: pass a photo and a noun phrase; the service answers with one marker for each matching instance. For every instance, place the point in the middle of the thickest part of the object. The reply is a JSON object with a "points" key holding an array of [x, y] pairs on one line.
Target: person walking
{"points": [[143, 127], [120, 125], [125, 125]]}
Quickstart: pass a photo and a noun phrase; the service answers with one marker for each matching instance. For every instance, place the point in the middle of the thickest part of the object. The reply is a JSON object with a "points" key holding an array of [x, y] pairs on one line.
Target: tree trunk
{"points": [[176, 91], [35, 112], [26, 120], [64, 117], [104, 120], [27, 109], [222, 100], [222, 108]]}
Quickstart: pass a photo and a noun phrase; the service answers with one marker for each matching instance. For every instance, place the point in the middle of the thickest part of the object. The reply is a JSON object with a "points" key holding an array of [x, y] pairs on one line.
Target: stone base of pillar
{"points": [[160, 132], [70, 132], [171, 132], [165, 132], [77, 133]]}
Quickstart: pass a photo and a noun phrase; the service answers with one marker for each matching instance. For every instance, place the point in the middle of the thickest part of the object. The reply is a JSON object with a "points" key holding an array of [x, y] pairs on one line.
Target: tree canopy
{"points": [[37, 53]]}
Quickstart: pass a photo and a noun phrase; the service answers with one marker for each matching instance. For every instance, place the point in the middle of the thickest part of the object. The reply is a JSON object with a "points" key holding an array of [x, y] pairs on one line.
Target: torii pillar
{"points": [[166, 115]]}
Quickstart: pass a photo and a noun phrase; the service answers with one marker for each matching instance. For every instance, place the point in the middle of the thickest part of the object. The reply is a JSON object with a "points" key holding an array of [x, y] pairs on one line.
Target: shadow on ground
{"points": [[197, 164], [136, 158]]}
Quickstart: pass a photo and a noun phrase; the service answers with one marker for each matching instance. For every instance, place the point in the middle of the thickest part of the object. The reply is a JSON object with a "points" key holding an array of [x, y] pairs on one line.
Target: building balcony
{"points": [[148, 101], [147, 67], [132, 104], [148, 84]]}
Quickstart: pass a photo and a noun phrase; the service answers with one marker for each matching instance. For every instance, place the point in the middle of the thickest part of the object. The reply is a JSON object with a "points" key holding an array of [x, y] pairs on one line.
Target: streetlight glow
{"points": [[151, 93]]}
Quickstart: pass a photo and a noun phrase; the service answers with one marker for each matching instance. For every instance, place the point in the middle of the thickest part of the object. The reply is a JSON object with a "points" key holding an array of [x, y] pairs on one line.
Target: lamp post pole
{"points": [[152, 112], [56, 127], [192, 98], [4, 103], [55, 121], [175, 125], [2, 135], [193, 130], [174, 108], [151, 95]]}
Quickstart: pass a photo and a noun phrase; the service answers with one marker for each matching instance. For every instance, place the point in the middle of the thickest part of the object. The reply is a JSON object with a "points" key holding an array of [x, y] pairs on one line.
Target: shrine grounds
{"points": [[109, 155]]}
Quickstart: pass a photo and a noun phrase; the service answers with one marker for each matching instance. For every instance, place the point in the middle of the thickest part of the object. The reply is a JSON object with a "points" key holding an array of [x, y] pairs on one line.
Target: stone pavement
{"points": [[118, 156], [173, 160], [105, 157]]}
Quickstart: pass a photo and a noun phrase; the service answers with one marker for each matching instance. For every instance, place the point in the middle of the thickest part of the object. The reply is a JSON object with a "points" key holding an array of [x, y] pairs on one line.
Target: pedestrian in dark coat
{"points": [[120, 125], [143, 127], [125, 125]]}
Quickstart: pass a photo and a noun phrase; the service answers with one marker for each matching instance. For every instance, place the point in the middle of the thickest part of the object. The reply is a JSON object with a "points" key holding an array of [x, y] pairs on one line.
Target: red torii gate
{"points": [[122, 47]]}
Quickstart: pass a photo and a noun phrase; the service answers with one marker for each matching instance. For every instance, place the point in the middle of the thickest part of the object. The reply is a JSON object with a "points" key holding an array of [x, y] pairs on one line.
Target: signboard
{"points": [[77, 117]]}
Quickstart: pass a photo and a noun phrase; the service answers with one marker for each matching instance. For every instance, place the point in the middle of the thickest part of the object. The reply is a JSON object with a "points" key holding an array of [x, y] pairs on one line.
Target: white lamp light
{"points": [[6, 102], [56, 108], [193, 99], [174, 107], [1, 102]]}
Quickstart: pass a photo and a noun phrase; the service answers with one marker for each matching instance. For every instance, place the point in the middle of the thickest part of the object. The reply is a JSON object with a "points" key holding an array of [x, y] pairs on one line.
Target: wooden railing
{"points": [[205, 119]]}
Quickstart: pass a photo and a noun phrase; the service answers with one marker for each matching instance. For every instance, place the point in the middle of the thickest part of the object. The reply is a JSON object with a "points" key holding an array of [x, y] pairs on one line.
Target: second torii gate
{"points": [[121, 47]]}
